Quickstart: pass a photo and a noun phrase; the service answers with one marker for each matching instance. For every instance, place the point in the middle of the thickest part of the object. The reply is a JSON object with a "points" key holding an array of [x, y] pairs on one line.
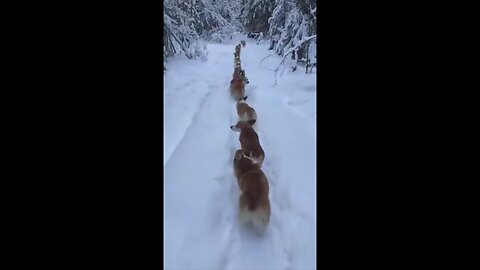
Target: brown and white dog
{"points": [[244, 77], [237, 51], [254, 203], [239, 72], [236, 71], [245, 112], [237, 88], [249, 141], [237, 62]]}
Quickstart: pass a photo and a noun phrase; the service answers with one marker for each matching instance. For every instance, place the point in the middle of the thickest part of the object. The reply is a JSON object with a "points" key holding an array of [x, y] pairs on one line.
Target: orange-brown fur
{"points": [[237, 62], [246, 113], [237, 51], [236, 72], [249, 141], [237, 88], [253, 184]]}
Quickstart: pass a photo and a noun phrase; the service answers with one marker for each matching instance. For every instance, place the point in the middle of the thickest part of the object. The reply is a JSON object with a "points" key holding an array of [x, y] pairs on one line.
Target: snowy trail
{"points": [[201, 193]]}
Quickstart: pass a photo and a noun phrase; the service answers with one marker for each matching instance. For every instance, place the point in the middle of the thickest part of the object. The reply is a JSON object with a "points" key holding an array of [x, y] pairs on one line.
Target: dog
{"points": [[237, 51], [245, 112], [237, 62], [237, 88], [253, 203], [238, 72], [249, 141], [244, 77]]}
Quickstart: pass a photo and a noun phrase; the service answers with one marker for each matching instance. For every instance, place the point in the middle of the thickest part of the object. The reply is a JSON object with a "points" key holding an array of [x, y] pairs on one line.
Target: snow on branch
{"points": [[313, 13], [185, 50], [218, 17], [299, 43]]}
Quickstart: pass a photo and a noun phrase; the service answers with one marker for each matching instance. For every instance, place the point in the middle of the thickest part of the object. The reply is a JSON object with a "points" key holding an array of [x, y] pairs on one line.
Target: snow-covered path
{"points": [[201, 193]]}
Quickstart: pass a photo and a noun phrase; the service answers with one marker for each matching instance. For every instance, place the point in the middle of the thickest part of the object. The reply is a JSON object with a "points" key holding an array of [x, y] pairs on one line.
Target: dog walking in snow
{"points": [[249, 141], [237, 51], [237, 62], [237, 88], [237, 84], [245, 112], [239, 72], [253, 184]]}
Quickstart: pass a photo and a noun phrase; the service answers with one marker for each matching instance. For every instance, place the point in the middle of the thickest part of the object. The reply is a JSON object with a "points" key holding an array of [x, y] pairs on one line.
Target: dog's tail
{"points": [[247, 201], [259, 215]]}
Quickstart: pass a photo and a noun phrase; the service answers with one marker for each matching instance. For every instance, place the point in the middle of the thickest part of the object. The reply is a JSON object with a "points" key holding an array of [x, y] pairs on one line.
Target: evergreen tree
{"points": [[277, 20], [255, 14], [290, 23], [286, 22], [180, 34]]}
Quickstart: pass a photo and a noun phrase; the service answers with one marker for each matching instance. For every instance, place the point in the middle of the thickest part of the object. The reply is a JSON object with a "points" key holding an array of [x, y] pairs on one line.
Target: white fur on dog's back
{"points": [[259, 218], [244, 117]]}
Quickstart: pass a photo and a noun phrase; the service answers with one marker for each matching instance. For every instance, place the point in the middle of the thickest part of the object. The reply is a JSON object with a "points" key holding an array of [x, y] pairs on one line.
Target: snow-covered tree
{"points": [[285, 22], [218, 19], [307, 51], [255, 14], [186, 22], [277, 20], [180, 33], [292, 21]]}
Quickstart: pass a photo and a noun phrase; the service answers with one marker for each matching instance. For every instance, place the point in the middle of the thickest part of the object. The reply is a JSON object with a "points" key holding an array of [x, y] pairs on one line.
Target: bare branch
{"points": [[289, 52], [265, 59], [181, 45]]}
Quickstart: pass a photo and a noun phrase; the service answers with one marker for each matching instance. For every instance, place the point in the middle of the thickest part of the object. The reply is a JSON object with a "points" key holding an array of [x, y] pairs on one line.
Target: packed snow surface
{"points": [[201, 191]]}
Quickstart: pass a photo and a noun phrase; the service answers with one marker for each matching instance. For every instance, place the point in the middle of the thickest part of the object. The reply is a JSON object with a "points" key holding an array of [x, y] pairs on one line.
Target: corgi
{"points": [[238, 72], [253, 203], [249, 141], [245, 112], [237, 62], [237, 51], [237, 88], [244, 77]]}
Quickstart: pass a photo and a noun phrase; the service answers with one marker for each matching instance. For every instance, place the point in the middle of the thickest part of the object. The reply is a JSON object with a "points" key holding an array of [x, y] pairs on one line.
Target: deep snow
{"points": [[201, 193]]}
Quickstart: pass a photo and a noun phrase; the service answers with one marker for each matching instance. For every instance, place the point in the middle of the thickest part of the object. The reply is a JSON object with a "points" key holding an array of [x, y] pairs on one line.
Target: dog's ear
{"points": [[238, 154], [245, 98]]}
